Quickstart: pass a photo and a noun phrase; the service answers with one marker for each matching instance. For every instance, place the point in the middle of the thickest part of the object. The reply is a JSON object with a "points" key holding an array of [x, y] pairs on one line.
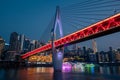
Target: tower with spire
{"points": [[94, 45]]}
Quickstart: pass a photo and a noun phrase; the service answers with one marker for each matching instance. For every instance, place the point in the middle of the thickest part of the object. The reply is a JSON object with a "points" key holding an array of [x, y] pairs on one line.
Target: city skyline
{"points": [[59, 39], [32, 17], [89, 43]]}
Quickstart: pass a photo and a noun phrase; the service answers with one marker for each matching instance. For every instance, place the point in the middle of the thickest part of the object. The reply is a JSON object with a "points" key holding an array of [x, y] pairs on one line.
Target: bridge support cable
{"points": [[45, 37], [87, 13]]}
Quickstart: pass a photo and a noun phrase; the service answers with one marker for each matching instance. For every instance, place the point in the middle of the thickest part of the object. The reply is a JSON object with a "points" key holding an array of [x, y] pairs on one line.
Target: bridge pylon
{"points": [[57, 54]]}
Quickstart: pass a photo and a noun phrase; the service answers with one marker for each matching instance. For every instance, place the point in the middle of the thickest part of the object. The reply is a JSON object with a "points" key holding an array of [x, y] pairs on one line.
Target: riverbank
{"points": [[10, 64], [16, 64]]}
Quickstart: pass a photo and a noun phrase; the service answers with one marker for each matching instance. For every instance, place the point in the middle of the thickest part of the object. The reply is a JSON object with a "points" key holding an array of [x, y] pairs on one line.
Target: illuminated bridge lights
{"points": [[92, 30]]}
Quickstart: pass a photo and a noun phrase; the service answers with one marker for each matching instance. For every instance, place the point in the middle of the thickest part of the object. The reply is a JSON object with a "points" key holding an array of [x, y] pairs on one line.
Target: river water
{"points": [[46, 73]]}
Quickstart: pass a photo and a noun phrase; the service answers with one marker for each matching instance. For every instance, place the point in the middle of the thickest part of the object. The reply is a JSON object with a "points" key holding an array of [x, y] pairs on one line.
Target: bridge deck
{"points": [[101, 28]]}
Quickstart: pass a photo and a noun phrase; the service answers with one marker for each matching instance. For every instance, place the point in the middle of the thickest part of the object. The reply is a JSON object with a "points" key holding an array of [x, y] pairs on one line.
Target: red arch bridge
{"points": [[101, 28]]}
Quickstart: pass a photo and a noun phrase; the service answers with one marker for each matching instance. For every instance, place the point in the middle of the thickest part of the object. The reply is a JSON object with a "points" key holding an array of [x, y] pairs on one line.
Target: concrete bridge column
{"points": [[58, 59], [57, 54]]}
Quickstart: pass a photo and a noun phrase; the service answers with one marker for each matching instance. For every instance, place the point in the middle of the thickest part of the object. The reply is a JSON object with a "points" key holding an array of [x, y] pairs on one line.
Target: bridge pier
{"points": [[57, 54], [58, 59]]}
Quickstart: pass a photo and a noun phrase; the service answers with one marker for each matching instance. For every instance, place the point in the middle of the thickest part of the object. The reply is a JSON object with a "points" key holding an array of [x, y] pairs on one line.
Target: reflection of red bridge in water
{"points": [[104, 27]]}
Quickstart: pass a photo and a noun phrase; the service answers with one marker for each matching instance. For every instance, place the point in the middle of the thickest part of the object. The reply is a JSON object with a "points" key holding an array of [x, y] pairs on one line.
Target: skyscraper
{"points": [[35, 44], [111, 55], [86, 55], [22, 40], [24, 44], [14, 47], [94, 45], [27, 45], [14, 42], [2, 43]]}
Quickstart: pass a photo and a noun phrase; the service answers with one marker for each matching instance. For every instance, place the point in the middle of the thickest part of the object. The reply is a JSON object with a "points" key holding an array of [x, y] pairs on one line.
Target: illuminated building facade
{"points": [[2, 44]]}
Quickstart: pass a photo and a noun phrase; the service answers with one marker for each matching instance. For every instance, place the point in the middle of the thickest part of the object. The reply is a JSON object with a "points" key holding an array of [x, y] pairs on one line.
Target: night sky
{"points": [[31, 17]]}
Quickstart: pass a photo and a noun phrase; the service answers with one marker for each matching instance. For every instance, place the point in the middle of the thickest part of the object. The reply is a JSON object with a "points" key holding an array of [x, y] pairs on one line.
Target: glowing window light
{"points": [[66, 67]]}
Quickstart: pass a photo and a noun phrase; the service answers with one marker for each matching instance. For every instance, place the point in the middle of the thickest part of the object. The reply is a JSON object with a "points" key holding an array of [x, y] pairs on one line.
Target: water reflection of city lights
{"points": [[90, 68], [78, 67], [66, 67]]}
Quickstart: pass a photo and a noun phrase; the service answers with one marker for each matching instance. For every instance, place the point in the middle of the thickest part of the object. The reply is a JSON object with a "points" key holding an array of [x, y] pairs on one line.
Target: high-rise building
{"points": [[22, 40], [4, 52], [92, 57], [14, 48], [94, 45], [14, 42], [35, 44], [111, 55], [2, 44], [98, 58], [102, 56], [117, 56], [86, 54], [27, 45]]}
